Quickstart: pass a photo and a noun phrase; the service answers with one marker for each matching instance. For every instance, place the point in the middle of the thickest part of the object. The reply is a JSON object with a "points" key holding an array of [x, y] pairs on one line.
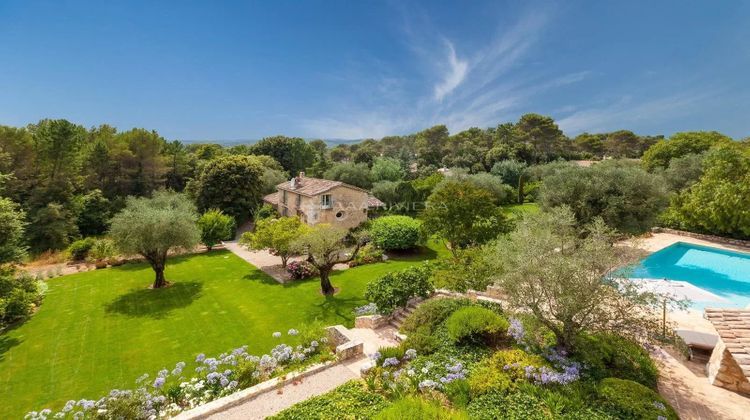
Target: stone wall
{"points": [[723, 371], [711, 238], [345, 347], [372, 322]]}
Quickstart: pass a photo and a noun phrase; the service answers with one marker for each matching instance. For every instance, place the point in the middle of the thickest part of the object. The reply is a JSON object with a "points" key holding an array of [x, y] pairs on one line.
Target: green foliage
{"points": [[430, 314], [270, 179], [152, 227], [514, 406], [357, 174], [458, 392], [684, 171], [394, 289], [293, 153], [12, 227], [231, 184], [276, 235], [509, 171], [423, 341], [476, 325], [387, 169], [52, 227], [503, 371], [626, 197], [19, 295], [349, 401], [368, 254], [463, 214], [419, 409], [681, 144], [102, 250], [609, 355], [626, 399], [471, 268], [717, 203], [265, 211], [215, 227], [79, 250], [94, 212], [395, 232], [546, 268]]}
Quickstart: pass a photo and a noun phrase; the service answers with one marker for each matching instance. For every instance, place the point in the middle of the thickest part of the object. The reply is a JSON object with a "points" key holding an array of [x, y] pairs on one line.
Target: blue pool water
{"points": [[723, 273]]}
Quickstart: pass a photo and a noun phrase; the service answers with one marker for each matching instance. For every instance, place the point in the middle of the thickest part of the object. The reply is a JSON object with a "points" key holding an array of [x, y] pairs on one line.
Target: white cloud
{"points": [[457, 70]]}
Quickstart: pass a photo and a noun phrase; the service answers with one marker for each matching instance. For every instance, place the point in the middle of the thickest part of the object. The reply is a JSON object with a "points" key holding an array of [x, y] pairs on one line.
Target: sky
{"points": [[228, 70]]}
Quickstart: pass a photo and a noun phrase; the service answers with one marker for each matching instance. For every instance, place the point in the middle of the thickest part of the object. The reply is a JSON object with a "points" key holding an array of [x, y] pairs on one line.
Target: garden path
{"points": [[272, 402], [267, 262]]}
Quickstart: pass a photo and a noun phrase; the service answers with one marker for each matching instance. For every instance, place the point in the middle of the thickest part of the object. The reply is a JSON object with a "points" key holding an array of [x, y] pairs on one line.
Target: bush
{"points": [[79, 250], [502, 371], [395, 232], [395, 289], [300, 270], [515, 406], [609, 355], [266, 211], [431, 313], [396, 352], [626, 399], [458, 392], [368, 254], [418, 409], [19, 295], [422, 341], [474, 324], [349, 401], [215, 227], [102, 249]]}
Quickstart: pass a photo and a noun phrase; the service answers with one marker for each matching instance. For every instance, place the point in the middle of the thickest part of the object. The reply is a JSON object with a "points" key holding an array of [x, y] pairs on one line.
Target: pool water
{"points": [[721, 272]]}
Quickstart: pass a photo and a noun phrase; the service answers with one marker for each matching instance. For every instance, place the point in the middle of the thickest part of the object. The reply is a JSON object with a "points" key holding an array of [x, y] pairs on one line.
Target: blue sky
{"points": [[358, 69]]}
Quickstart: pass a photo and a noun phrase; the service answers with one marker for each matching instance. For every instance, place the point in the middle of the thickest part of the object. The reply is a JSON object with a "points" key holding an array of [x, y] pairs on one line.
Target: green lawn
{"points": [[102, 329], [517, 210]]}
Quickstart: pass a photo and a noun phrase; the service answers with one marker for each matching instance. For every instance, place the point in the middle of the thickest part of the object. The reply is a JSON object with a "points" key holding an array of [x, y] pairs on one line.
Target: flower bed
{"points": [[172, 391]]}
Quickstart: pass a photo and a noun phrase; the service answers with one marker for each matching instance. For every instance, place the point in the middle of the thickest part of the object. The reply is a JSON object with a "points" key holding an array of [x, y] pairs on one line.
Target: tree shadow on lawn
{"points": [[7, 343], [420, 254], [155, 303], [334, 305]]}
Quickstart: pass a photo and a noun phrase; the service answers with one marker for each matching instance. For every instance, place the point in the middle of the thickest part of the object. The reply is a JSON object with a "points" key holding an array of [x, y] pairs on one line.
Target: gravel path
{"points": [[270, 403]]}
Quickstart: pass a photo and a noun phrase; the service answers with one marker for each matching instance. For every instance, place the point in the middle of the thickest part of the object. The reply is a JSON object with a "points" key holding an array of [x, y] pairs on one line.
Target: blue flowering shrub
{"points": [[626, 399], [172, 391]]}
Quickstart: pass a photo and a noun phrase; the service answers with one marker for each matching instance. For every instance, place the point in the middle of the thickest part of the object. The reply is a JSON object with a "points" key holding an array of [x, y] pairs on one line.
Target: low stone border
{"points": [[705, 237], [240, 397]]}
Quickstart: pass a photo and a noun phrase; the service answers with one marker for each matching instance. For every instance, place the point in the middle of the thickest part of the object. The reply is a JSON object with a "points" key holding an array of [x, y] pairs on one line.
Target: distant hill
{"points": [[230, 143]]}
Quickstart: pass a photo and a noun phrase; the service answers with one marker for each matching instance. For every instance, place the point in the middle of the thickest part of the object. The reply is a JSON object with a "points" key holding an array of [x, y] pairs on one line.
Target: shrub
{"points": [[368, 254], [19, 295], [418, 409], [431, 313], [349, 401], [422, 341], [215, 227], [626, 399], [474, 324], [79, 250], [395, 289], [502, 371], [395, 232], [102, 249], [392, 352], [300, 270], [515, 406], [458, 392], [266, 211], [609, 355]]}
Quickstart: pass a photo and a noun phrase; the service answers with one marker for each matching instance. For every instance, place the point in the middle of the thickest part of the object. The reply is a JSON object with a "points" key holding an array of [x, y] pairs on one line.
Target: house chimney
{"points": [[302, 174]]}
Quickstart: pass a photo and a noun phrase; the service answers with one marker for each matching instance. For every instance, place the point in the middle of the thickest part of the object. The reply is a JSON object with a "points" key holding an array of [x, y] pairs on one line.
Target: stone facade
{"points": [[723, 371]]}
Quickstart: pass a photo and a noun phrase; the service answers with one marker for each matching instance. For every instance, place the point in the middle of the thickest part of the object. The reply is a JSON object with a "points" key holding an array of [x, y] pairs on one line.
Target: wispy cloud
{"points": [[457, 70], [627, 110]]}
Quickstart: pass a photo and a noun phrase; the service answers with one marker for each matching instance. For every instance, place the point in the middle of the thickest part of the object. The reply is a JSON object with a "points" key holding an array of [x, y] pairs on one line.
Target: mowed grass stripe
{"points": [[102, 329]]}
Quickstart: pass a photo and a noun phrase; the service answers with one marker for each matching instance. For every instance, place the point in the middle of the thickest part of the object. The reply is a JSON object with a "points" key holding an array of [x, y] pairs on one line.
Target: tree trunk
{"points": [[160, 280], [325, 283], [284, 258], [520, 189]]}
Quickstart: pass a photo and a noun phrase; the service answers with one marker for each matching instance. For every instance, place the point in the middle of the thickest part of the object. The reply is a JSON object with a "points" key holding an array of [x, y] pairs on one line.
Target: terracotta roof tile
{"points": [[733, 326], [272, 198], [314, 186], [373, 202]]}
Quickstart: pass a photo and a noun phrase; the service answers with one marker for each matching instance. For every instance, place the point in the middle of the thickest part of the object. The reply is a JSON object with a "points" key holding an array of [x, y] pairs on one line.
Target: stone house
{"points": [[317, 201], [729, 366]]}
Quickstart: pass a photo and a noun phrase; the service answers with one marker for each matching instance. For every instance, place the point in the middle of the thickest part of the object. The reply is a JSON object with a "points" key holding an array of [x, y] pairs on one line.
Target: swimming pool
{"points": [[718, 271]]}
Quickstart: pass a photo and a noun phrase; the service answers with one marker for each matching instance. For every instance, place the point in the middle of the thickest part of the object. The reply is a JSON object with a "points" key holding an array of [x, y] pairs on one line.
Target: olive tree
{"points": [[326, 246], [153, 226], [573, 283], [276, 235]]}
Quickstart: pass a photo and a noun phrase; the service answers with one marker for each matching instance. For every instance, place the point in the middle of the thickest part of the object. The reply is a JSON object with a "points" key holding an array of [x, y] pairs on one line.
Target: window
{"points": [[325, 201], [340, 215], [299, 201], [283, 197]]}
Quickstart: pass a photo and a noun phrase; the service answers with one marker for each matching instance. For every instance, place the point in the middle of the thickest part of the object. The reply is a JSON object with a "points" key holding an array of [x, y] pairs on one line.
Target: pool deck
{"points": [[657, 241]]}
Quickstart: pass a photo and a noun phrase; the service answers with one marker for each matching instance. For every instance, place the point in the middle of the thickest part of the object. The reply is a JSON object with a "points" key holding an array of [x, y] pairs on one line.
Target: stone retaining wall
{"points": [[723, 371], [705, 237]]}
